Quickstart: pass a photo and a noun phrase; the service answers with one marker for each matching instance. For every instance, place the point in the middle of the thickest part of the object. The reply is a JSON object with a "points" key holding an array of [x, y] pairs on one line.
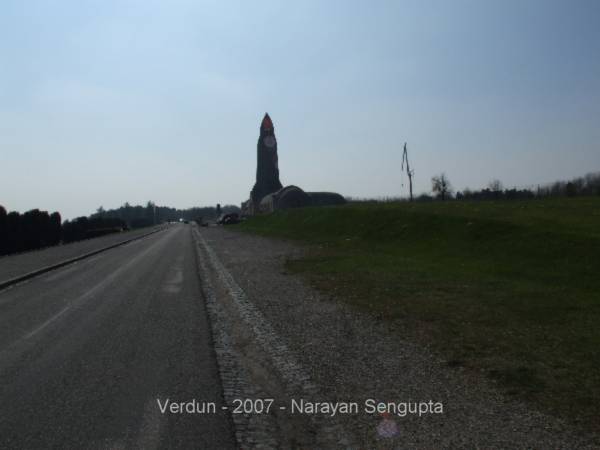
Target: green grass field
{"points": [[508, 288]]}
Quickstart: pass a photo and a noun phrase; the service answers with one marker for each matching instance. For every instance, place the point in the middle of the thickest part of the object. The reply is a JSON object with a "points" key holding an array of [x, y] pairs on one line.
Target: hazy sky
{"points": [[103, 102]]}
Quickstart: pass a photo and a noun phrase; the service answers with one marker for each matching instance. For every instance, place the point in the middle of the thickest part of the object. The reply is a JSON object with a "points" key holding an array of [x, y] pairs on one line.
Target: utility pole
{"points": [[409, 172]]}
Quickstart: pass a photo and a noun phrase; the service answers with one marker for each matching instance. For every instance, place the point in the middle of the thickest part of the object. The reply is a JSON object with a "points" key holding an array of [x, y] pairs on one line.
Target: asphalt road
{"points": [[16, 265], [86, 351]]}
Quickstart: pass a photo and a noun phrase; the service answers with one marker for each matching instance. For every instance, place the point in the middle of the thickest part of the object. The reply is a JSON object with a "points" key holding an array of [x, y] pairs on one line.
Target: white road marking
{"points": [[76, 303], [47, 322]]}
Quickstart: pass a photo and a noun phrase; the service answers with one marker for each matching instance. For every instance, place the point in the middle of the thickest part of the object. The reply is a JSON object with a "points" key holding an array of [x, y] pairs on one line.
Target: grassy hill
{"points": [[508, 288]]}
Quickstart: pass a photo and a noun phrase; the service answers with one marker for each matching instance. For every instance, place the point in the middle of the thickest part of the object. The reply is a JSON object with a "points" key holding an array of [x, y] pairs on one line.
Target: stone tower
{"points": [[267, 170]]}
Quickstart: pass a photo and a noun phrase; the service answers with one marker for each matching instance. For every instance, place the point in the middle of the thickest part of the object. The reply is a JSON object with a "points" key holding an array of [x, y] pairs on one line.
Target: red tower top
{"points": [[267, 123]]}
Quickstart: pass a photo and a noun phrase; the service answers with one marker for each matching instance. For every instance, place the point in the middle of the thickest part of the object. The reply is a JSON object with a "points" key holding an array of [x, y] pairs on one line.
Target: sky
{"points": [[107, 102]]}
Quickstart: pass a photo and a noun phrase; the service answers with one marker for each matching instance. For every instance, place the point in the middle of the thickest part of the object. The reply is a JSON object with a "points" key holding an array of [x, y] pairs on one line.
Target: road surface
{"points": [[86, 351]]}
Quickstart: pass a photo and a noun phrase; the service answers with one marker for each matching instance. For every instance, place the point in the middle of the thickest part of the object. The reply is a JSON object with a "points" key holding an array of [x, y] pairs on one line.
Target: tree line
{"points": [[28, 231], [86, 228], [139, 216], [441, 189], [580, 186], [37, 229]]}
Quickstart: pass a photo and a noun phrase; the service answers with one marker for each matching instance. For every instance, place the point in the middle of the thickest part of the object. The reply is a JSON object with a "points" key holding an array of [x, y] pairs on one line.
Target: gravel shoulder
{"points": [[351, 357], [12, 266]]}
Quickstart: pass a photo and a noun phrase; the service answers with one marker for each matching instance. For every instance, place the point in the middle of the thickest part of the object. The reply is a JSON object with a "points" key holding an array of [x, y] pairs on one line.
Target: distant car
{"points": [[229, 219]]}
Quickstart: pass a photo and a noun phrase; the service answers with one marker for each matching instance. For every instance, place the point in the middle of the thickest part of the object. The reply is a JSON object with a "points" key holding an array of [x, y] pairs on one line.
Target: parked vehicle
{"points": [[228, 219]]}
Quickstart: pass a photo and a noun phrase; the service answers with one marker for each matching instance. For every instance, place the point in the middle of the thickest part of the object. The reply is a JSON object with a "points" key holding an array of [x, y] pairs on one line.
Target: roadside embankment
{"points": [[272, 326], [507, 289]]}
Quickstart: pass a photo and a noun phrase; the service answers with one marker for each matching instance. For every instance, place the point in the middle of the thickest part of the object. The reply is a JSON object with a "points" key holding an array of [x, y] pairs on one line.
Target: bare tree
{"points": [[495, 186], [441, 185]]}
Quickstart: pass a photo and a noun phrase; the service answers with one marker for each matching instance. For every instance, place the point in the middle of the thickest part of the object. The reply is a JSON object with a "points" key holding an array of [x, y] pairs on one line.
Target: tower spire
{"points": [[267, 170], [267, 123]]}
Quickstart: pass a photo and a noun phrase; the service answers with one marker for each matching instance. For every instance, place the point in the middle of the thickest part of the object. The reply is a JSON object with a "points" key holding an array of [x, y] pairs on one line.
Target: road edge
{"points": [[12, 281]]}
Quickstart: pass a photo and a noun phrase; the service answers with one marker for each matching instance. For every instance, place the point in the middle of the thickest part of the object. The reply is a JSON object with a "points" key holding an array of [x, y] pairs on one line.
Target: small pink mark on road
{"points": [[388, 427]]}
